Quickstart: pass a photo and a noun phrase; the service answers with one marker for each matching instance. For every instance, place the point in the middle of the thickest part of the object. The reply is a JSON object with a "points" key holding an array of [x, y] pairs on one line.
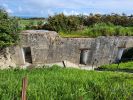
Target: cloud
{"points": [[71, 12], [10, 11], [50, 7]]}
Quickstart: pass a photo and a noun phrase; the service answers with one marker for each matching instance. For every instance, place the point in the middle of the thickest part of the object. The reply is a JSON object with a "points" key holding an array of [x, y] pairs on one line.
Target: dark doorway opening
{"points": [[27, 54], [84, 56], [127, 55], [119, 54]]}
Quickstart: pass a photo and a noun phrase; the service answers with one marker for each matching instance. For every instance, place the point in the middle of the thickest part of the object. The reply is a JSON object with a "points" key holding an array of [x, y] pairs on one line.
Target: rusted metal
{"points": [[64, 64], [24, 87]]}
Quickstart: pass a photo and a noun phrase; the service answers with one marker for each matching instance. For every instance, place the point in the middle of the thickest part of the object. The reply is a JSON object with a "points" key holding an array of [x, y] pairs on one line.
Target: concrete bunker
{"points": [[47, 47], [27, 55]]}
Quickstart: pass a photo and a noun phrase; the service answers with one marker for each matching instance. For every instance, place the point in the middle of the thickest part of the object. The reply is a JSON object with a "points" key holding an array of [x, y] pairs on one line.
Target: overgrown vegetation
{"points": [[128, 66], [91, 26], [8, 29], [83, 26], [27, 24], [66, 84], [116, 19], [100, 29], [64, 23]]}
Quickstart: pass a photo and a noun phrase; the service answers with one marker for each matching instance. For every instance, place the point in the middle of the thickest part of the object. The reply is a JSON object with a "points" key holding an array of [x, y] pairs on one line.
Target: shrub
{"points": [[8, 29], [61, 22]]}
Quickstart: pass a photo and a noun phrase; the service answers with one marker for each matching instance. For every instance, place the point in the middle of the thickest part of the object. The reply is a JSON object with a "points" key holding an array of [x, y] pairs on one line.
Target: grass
{"points": [[66, 84], [28, 22], [128, 66], [74, 34], [100, 29]]}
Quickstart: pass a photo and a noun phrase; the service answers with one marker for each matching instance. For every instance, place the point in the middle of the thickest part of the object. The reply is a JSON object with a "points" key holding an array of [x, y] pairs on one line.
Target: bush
{"points": [[8, 29], [64, 23]]}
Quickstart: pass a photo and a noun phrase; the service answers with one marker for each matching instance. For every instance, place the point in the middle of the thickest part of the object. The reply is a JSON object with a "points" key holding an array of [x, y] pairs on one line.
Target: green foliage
{"points": [[64, 23], [28, 24], [8, 29], [3, 14], [90, 26], [66, 84], [116, 19], [83, 26], [123, 66], [100, 29]]}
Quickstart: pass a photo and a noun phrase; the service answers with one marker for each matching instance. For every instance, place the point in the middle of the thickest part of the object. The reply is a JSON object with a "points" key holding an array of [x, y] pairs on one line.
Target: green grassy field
{"points": [[66, 84]]}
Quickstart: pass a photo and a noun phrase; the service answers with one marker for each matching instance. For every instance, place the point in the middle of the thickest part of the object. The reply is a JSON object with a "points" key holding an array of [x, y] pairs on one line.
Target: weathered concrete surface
{"points": [[6, 60], [47, 47]]}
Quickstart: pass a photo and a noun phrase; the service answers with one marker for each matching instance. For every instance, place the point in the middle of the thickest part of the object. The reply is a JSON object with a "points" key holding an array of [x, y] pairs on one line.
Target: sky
{"points": [[44, 8]]}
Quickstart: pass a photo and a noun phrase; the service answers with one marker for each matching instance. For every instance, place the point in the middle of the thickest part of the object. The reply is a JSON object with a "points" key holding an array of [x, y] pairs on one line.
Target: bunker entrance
{"points": [[27, 54], [127, 55], [120, 53], [84, 56]]}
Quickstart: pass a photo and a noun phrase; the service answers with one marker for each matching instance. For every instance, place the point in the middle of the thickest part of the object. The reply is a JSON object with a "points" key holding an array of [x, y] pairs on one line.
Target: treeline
{"points": [[32, 18], [62, 22], [115, 19]]}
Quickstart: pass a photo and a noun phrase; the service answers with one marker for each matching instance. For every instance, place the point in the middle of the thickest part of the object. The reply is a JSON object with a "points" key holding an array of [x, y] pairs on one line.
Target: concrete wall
{"points": [[47, 47]]}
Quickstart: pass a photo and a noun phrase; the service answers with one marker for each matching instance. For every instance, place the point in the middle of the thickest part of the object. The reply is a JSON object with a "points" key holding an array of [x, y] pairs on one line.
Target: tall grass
{"points": [[100, 29], [66, 84], [122, 66]]}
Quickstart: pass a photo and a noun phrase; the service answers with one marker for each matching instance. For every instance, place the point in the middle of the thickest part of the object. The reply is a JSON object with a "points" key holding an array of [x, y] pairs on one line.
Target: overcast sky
{"points": [[43, 8]]}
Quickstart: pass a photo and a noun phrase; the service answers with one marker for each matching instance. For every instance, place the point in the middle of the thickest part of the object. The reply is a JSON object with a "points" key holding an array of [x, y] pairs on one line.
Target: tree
{"points": [[8, 29]]}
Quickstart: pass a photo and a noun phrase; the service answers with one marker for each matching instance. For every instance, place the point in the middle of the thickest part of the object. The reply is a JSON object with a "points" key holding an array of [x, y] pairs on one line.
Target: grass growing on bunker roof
{"points": [[100, 29]]}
